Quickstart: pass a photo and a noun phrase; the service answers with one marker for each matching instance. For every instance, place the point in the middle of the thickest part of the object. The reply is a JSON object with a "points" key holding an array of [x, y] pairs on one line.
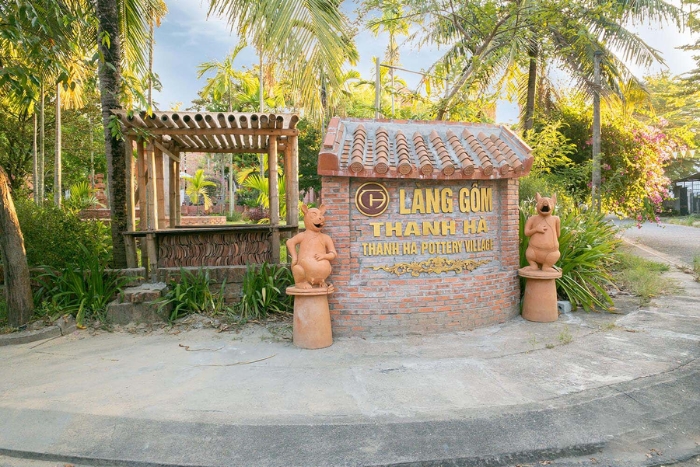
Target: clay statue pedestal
{"points": [[540, 300], [312, 319]]}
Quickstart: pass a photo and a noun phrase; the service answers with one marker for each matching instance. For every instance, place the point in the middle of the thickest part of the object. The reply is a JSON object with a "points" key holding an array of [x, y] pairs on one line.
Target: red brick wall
{"points": [[377, 302]]}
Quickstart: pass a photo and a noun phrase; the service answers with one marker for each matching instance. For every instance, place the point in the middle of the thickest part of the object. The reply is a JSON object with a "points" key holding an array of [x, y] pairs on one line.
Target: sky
{"points": [[187, 38]]}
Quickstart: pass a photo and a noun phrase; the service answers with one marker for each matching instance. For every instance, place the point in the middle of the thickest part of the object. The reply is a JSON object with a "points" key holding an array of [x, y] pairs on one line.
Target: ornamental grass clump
{"points": [[83, 289], [264, 291], [587, 243], [192, 293]]}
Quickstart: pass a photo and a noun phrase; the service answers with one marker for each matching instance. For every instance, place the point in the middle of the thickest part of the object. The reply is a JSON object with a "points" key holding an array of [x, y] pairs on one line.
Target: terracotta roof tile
{"points": [[434, 150]]}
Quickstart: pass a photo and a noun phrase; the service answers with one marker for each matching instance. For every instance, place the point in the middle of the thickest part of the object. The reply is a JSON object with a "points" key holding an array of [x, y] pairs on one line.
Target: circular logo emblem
{"points": [[371, 199]]}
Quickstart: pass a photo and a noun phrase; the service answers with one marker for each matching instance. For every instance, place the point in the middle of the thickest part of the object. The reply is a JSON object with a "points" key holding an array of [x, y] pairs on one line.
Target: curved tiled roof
{"points": [[427, 150]]}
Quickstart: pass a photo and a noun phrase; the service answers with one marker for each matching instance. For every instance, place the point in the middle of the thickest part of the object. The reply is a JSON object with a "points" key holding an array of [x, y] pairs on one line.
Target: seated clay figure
{"points": [[543, 230], [311, 265]]}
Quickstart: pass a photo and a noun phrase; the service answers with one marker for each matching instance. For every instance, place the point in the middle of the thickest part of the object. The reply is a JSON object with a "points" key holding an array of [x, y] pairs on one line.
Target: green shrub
{"points": [[587, 243], [258, 215], [82, 289], [55, 237], [546, 185], [192, 294], [234, 217], [264, 291]]}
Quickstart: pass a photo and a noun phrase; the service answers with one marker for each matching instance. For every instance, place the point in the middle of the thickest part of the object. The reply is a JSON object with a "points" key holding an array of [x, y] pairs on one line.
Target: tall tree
{"points": [[571, 32], [109, 69], [20, 305], [310, 40], [483, 39], [392, 21], [120, 22], [227, 80]]}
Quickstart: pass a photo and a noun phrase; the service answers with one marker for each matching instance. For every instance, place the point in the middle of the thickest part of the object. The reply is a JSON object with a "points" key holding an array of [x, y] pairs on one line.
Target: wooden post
{"points": [[293, 182], [172, 191], [152, 202], [178, 200], [143, 205], [131, 258], [160, 187], [274, 198], [152, 256]]}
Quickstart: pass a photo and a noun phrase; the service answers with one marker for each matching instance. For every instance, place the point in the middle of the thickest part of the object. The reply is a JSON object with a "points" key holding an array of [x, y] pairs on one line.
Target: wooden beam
{"points": [[223, 131], [228, 150], [274, 199], [166, 151], [130, 244]]}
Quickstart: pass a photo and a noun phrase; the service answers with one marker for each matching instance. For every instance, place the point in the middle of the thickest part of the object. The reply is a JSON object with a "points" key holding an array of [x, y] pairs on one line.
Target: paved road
{"points": [[623, 389], [678, 241]]}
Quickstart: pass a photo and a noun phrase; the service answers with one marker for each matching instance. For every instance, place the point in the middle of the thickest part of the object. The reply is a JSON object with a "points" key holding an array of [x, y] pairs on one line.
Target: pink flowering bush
{"points": [[633, 183]]}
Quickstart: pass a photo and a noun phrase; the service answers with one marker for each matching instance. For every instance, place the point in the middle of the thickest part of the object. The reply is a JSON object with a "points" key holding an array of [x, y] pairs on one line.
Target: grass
{"points": [[642, 277], [565, 336], [692, 220], [696, 265]]}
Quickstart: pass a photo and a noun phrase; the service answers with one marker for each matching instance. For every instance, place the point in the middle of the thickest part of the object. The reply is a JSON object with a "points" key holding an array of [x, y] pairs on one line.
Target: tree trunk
{"points": [[35, 154], [110, 78], [18, 291], [57, 184], [529, 116], [42, 139], [151, 41], [595, 148]]}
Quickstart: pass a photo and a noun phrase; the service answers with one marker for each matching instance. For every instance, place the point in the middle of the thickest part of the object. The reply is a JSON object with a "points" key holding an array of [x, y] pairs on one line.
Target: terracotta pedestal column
{"points": [[312, 319], [540, 300]]}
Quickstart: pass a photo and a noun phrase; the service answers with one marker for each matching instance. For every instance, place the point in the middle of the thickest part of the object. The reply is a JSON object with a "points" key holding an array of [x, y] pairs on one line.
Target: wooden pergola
{"points": [[172, 134]]}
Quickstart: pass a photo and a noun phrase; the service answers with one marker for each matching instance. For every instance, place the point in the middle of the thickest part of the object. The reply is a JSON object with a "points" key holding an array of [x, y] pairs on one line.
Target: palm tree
{"points": [[310, 40], [571, 33], [227, 80], [197, 187], [262, 186], [484, 39], [130, 17], [394, 22]]}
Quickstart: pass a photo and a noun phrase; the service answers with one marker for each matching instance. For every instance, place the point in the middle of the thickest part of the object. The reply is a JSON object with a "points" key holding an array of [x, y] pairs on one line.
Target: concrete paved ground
{"points": [[622, 389]]}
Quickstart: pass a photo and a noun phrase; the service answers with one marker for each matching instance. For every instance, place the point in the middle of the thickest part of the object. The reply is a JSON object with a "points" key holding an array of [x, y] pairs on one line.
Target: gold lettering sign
{"points": [[372, 199]]}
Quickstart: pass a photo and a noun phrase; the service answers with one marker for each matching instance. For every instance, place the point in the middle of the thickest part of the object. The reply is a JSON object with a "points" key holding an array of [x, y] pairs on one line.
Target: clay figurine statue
{"points": [[312, 264], [543, 229]]}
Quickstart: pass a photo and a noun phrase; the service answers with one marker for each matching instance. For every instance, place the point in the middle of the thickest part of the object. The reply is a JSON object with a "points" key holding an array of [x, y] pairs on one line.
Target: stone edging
{"points": [[63, 327]]}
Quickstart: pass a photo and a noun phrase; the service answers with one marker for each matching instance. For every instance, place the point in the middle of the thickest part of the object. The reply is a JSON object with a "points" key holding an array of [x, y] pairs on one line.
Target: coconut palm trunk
{"points": [[109, 71], [529, 117]]}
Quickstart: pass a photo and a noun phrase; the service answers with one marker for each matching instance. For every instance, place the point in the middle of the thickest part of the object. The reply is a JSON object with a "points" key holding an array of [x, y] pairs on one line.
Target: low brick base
{"points": [[373, 300]]}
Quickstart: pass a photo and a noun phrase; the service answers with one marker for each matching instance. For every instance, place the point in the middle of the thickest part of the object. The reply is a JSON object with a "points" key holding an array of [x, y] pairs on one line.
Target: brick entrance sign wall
{"points": [[424, 217]]}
